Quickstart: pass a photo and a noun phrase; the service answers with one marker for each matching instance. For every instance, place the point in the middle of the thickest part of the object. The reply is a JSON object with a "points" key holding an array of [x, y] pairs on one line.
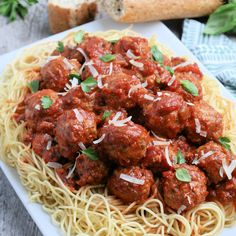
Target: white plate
{"points": [[165, 36]]}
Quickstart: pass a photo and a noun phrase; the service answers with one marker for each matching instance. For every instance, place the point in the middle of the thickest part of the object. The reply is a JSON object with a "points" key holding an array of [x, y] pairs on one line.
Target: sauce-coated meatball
{"points": [[138, 46], [95, 47], [177, 87], [75, 126], [188, 194], [128, 191], [34, 111], [116, 92], [155, 158], [225, 192], [166, 116], [215, 154], [55, 73], [90, 171], [125, 145], [205, 123], [76, 97]]}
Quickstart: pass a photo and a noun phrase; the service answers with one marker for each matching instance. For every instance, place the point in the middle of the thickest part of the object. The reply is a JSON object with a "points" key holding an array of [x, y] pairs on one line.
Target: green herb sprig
{"points": [[12, 9], [183, 175], [91, 154], [189, 87], [87, 84], [225, 142], [222, 20], [157, 55]]}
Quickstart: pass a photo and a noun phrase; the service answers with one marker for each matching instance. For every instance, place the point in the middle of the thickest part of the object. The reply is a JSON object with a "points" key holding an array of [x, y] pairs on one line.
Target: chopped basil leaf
{"points": [[60, 47], [183, 175], [170, 70], [157, 55], [113, 41], [87, 84], [106, 114], [33, 86], [91, 154], [77, 76], [108, 57], [189, 87], [46, 102], [225, 142], [222, 19], [180, 158], [79, 36]]}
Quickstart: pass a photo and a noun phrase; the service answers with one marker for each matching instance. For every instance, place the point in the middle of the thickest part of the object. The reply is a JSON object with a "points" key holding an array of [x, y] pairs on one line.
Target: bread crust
{"points": [[61, 18], [147, 10]]}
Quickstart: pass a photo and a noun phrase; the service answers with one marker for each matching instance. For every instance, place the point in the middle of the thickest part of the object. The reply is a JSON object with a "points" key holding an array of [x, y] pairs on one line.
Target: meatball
{"points": [[116, 90], [103, 68], [95, 47], [209, 158], [122, 185], [42, 146], [225, 192], [125, 145], [138, 46], [70, 53], [75, 126], [166, 115], [155, 158], [55, 73], [189, 194], [177, 87], [204, 123], [76, 97], [192, 69], [37, 111], [90, 171]]}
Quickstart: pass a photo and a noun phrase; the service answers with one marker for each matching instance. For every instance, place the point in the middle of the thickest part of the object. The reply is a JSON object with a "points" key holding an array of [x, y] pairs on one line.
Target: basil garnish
{"points": [[225, 142], [189, 87], [157, 55], [91, 154], [33, 86], [108, 57], [183, 175]]}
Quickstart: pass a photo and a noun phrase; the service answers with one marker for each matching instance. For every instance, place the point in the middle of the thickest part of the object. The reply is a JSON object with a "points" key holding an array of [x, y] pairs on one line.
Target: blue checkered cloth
{"points": [[217, 53]]}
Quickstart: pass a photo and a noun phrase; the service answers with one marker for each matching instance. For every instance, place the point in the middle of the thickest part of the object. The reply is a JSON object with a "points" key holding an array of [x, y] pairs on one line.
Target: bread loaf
{"points": [[65, 14], [131, 11]]}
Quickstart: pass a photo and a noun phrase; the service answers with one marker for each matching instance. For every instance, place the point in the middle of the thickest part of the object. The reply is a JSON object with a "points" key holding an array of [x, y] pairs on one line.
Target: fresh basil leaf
{"points": [[77, 76], [157, 55], [33, 86], [91, 154], [180, 158], [87, 84], [222, 20], [170, 70], [105, 115], [189, 87], [79, 36], [225, 142], [108, 57], [183, 175], [60, 47], [113, 41], [46, 102], [22, 11]]}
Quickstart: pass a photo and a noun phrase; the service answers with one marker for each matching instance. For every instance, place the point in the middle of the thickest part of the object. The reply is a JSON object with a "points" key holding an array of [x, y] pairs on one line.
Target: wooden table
{"points": [[14, 219]]}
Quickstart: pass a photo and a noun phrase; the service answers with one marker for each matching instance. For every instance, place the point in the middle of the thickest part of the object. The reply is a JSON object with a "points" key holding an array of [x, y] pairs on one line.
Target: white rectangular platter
{"points": [[165, 36]]}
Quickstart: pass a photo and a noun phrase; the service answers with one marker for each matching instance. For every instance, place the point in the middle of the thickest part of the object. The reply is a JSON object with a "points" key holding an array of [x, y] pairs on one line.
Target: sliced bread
{"points": [[65, 14]]}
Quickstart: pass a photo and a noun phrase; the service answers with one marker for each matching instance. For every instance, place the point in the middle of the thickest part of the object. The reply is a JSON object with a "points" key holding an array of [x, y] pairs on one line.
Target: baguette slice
{"points": [[65, 14], [131, 11]]}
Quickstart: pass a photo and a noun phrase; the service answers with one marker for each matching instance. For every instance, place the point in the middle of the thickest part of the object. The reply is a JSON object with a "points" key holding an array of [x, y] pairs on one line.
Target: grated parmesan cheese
{"points": [[132, 179]]}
